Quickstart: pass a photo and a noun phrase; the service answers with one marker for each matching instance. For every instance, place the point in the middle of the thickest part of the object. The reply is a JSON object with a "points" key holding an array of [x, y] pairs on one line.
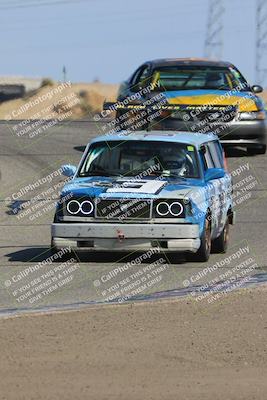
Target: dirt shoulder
{"points": [[176, 349]]}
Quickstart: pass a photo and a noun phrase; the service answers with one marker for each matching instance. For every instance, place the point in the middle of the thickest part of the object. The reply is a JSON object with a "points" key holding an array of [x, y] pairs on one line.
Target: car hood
{"points": [[245, 101], [131, 188]]}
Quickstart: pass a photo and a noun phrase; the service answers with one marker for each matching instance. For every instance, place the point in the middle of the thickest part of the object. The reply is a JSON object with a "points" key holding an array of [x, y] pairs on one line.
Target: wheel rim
{"points": [[226, 233], [207, 236]]}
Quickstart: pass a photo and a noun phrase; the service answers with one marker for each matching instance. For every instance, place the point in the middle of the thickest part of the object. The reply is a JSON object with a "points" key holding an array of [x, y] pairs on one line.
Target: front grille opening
{"points": [[163, 244], [123, 209], [211, 115], [85, 243]]}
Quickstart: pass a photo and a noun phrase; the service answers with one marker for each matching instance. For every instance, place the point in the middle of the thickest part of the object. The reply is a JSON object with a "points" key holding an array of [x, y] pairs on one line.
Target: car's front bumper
{"points": [[234, 133], [125, 237]]}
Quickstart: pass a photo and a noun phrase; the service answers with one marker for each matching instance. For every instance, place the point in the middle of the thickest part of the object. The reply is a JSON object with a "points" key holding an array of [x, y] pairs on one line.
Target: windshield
{"points": [[143, 158], [186, 78]]}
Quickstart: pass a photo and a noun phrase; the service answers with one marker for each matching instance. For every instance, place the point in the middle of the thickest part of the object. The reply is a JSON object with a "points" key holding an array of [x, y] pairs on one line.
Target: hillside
{"points": [[71, 101]]}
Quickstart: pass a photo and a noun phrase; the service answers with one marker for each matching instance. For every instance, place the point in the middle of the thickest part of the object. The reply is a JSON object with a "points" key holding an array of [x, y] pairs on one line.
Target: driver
{"points": [[176, 163], [214, 79]]}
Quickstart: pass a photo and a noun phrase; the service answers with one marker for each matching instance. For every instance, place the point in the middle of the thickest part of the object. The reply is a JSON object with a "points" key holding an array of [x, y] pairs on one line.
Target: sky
{"points": [[109, 39]]}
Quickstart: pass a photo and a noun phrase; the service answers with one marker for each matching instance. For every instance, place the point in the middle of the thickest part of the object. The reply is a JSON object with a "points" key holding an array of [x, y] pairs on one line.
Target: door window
{"points": [[216, 154]]}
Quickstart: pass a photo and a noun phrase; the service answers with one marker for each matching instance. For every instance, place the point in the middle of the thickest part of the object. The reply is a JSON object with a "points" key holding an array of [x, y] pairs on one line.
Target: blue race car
{"points": [[147, 189]]}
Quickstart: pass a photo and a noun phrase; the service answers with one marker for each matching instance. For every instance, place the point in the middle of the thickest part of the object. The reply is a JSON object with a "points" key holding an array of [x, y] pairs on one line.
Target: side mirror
{"points": [[68, 170], [214, 173], [257, 89]]}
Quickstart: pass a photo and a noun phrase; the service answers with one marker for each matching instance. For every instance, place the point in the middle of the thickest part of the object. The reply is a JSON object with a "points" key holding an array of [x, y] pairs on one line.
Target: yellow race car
{"points": [[196, 95]]}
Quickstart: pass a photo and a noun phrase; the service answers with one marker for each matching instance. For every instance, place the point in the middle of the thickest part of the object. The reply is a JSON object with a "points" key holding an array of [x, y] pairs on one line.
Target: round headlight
{"points": [[162, 208], [87, 207], [176, 209], [73, 207]]}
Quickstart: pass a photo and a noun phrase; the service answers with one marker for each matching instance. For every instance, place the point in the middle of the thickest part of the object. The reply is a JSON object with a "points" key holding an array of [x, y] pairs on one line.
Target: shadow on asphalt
{"points": [[39, 254]]}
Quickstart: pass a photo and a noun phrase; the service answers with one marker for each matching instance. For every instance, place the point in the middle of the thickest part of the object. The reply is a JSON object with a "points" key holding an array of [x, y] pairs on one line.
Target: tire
{"points": [[55, 220], [220, 244], [256, 150], [204, 250], [53, 249]]}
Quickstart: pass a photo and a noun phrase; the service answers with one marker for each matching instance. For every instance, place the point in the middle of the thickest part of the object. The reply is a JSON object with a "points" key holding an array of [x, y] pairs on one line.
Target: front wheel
{"points": [[53, 249], [203, 252], [220, 244]]}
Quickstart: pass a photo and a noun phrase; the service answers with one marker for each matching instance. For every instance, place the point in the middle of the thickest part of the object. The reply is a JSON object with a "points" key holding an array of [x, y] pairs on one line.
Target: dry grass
{"points": [[77, 101]]}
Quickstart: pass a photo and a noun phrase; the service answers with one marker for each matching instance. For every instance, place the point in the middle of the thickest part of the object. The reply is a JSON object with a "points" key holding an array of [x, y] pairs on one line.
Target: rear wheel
{"points": [[256, 150], [220, 244]]}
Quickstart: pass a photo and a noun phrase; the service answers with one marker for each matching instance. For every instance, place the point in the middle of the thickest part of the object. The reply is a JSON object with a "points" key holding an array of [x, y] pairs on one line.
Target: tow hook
{"points": [[121, 236]]}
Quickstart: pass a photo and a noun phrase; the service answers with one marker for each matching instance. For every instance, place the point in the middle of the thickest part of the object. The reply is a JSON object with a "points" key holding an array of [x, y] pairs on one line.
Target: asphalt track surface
{"points": [[25, 232]]}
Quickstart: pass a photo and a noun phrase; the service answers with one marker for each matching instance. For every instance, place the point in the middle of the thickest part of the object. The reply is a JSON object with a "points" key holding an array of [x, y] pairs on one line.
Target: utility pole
{"points": [[214, 35], [64, 73], [261, 42]]}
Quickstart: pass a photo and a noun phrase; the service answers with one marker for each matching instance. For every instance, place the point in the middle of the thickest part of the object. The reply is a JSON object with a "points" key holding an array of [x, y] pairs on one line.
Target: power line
{"points": [[214, 35], [39, 4], [261, 42]]}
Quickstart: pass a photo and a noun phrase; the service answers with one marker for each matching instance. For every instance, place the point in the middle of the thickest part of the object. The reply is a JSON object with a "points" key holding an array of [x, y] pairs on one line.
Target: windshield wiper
{"points": [[99, 173], [167, 174], [172, 175], [226, 88]]}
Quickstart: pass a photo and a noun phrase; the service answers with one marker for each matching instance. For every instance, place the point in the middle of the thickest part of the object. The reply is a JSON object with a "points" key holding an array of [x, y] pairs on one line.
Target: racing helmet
{"points": [[176, 163]]}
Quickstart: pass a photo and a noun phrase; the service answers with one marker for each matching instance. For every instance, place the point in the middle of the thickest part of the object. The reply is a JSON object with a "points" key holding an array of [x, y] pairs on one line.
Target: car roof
{"points": [[163, 62], [196, 139]]}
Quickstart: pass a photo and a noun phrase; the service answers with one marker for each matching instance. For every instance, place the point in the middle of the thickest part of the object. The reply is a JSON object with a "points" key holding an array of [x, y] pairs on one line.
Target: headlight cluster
{"points": [[162, 208], [169, 209], [252, 116], [80, 207]]}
